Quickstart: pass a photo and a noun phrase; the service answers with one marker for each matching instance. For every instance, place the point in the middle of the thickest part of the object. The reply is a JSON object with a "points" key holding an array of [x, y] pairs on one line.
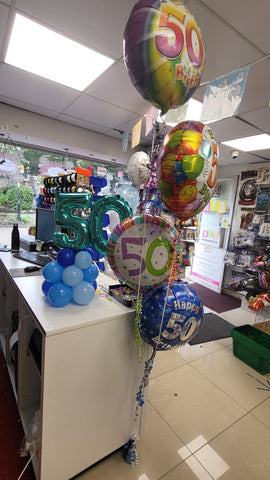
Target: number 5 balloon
{"points": [[163, 52]]}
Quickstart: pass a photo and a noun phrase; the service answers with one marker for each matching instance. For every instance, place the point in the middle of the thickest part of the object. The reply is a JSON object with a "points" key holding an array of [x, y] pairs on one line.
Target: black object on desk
{"points": [[34, 257], [124, 294], [32, 268]]}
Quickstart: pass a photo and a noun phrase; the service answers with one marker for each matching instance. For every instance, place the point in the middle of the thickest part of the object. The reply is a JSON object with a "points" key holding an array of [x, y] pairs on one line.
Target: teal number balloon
{"points": [[64, 203], [99, 209]]}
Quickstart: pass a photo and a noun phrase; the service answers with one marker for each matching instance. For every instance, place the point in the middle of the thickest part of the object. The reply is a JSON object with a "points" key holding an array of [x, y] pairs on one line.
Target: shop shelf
{"points": [[252, 346]]}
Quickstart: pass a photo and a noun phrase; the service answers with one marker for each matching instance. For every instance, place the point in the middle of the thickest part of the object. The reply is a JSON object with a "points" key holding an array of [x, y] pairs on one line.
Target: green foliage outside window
{"points": [[9, 197]]}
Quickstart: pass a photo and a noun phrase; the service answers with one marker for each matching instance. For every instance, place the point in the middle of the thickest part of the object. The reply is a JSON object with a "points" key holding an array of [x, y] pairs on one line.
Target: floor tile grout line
{"points": [[222, 390], [206, 355], [208, 441], [171, 428], [171, 470]]}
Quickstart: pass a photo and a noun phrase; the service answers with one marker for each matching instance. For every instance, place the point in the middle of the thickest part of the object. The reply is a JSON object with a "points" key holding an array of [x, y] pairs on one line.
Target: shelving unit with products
{"points": [[189, 235], [248, 258]]}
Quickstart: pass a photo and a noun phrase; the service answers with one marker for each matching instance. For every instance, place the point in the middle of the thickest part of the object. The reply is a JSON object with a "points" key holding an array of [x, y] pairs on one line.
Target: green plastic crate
{"points": [[252, 346]]}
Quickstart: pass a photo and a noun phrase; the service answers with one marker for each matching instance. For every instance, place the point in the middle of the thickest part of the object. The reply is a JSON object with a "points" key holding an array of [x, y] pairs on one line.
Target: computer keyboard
{"points": [[40, 259]]}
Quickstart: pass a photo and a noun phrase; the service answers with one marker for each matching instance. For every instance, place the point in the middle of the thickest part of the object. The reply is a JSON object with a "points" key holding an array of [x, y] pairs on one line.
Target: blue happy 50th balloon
{"points": [[170, 316]]}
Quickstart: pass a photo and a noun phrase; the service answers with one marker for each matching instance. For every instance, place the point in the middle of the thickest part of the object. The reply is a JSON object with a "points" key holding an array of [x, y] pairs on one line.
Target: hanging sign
{"points": [[136, 134], [223, 96]]}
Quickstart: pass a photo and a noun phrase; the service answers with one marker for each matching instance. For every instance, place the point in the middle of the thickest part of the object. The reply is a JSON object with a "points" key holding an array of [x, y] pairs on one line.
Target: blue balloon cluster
{"points": [[71, 277], [170, 315]]}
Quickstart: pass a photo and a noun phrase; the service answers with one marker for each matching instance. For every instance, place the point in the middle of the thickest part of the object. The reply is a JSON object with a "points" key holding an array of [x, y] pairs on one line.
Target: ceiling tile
{"points": [[259, 117], [116, 87], [263, 154], [95, 23], [225, 49], [28, 106], [246, 17], [3, 21], [96, 111], [231, 128], [82, 123], [257, 90], [29, 88]]}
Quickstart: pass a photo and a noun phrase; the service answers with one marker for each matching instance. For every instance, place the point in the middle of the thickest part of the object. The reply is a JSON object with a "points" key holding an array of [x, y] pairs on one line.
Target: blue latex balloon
{"points": [[130, 194], [59, 294], [93, 252], [101, 266], [53, 272], [83, 293], [106, 220], [72, 275], [83, 259], [46, 287], [66, 257], [90, 273], [94, 283], [181, 318]]}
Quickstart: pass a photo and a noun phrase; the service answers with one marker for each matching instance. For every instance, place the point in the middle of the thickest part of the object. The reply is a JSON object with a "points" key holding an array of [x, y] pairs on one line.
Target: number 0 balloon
{"points": [[140, 250], [163, 52]]}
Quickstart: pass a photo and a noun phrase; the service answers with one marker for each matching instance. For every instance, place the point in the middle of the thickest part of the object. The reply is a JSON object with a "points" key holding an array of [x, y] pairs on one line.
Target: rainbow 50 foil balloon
{"points": [[163, 52], [187, 168]]}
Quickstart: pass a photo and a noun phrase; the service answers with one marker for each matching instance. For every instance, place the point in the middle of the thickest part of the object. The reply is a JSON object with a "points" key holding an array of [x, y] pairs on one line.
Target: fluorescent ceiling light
{"points": [[249, 144], [41, 51]]}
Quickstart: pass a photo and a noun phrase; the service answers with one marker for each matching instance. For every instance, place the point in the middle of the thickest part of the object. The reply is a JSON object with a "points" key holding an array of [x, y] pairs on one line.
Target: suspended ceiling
{"points": [[235, 33]]}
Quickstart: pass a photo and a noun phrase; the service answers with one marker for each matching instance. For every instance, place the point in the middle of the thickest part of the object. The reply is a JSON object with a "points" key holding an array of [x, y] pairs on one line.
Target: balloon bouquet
{"points": [[164, 57]]}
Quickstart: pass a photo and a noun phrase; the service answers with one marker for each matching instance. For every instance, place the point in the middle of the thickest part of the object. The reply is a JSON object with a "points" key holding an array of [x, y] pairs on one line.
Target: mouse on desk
{"points": [[32, 268]]}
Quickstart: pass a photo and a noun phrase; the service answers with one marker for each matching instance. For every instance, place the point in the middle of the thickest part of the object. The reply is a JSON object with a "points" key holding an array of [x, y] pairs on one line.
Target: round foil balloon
{"points": [[163, 52], [140, 250], [138, 168], [187, 168], [170, 316]]}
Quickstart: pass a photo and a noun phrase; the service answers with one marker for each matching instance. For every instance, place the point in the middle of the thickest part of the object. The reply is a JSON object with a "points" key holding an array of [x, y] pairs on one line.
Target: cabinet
{"points": [[90, 372]]}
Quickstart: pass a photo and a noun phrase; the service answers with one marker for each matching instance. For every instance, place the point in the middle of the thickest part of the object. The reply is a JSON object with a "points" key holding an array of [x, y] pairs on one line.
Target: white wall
{"points": [[32, 128], [233, 171]]}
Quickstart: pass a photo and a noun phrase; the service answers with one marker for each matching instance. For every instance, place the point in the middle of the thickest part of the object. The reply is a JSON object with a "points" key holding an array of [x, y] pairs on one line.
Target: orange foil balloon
{"points": [[187, 168]]}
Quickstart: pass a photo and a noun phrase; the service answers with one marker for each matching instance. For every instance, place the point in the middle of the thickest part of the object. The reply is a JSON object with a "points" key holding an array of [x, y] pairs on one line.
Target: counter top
{"points": [[53, 320]]}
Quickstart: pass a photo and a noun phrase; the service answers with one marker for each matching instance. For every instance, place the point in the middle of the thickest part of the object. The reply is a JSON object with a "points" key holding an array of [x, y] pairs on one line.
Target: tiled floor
{"points": [[206, 418]]}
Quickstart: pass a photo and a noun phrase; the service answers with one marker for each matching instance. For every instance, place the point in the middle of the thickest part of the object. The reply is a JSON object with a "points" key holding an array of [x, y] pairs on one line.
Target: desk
{"points": [[90, 372]]}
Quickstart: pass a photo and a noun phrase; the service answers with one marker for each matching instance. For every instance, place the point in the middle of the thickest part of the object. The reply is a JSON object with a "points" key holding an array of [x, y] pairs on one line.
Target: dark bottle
{"points": [[15, 239]]}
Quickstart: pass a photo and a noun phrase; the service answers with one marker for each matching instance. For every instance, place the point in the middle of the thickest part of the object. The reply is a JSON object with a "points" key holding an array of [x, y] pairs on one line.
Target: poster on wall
{"points": [[245, 220], [263, 201], [247, 191], [208, 266], [263, 177]]}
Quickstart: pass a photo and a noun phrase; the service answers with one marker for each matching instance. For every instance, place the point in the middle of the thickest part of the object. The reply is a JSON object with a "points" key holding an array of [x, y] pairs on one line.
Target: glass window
{"points": [[22, 172]]}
